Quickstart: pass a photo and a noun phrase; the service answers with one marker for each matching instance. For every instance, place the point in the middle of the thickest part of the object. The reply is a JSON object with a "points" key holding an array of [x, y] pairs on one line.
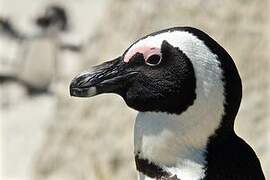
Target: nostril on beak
{"points": [[75, 83], [79, 82], [43, 22]]}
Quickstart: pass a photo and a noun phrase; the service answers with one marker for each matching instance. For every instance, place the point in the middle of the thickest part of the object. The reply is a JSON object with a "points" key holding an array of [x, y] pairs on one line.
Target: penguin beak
{"points": [[108, 77]]}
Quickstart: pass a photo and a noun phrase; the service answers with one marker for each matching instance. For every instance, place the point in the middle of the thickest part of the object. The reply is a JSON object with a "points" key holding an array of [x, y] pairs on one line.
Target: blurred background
{"points": [[47, 135]]}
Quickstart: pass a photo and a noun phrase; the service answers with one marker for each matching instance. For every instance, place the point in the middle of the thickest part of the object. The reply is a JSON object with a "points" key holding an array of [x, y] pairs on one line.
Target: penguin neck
{"points": [[175, 143]]}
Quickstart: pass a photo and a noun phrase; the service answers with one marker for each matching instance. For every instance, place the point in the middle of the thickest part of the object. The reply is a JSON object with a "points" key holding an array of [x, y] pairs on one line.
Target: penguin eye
{"points": [[153, 60]]}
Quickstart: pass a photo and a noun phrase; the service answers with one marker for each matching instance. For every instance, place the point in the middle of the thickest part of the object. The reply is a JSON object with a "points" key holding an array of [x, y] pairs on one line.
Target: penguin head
{"points": [[164, 75], [167, 71], [54, 16]]}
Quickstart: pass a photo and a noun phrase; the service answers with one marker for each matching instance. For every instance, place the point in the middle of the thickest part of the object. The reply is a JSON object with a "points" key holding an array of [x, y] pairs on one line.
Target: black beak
{"points": [[108, 77]]}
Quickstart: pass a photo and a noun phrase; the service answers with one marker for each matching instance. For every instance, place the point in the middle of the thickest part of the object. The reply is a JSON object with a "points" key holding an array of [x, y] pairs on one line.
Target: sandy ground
{"points": [[24, 122]]}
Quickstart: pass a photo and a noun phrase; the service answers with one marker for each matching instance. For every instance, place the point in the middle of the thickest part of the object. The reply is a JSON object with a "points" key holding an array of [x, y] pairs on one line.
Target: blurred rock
{"points": [[24, 122]]}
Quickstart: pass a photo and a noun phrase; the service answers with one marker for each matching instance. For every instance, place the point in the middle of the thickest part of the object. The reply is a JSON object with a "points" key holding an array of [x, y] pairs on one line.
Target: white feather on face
{"points": [[178, 142]]}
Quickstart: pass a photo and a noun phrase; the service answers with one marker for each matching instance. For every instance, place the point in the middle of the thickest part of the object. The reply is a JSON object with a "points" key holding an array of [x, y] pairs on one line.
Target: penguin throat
{"points": [[173, 144]]}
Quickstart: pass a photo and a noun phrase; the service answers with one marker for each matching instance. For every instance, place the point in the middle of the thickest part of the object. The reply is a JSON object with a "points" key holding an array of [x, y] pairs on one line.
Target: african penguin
{"points": [[187, 90], [28, 68]]}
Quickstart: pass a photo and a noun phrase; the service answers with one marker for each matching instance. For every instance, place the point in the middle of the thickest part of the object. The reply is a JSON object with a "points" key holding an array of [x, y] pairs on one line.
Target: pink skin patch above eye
{"points": [[145, 50]]}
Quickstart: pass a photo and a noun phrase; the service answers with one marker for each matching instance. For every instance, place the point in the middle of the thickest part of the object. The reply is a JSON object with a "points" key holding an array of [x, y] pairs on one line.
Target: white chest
{"points": [[176, 147]]}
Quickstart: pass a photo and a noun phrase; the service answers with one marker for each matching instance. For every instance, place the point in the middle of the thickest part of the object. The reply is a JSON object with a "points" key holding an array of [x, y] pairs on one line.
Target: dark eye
{"points": [[153, 60]]}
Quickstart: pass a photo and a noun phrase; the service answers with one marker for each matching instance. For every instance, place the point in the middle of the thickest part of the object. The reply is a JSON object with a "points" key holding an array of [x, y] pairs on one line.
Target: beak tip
{"points": [[81, 92], [72, 88], [71, 93]]}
